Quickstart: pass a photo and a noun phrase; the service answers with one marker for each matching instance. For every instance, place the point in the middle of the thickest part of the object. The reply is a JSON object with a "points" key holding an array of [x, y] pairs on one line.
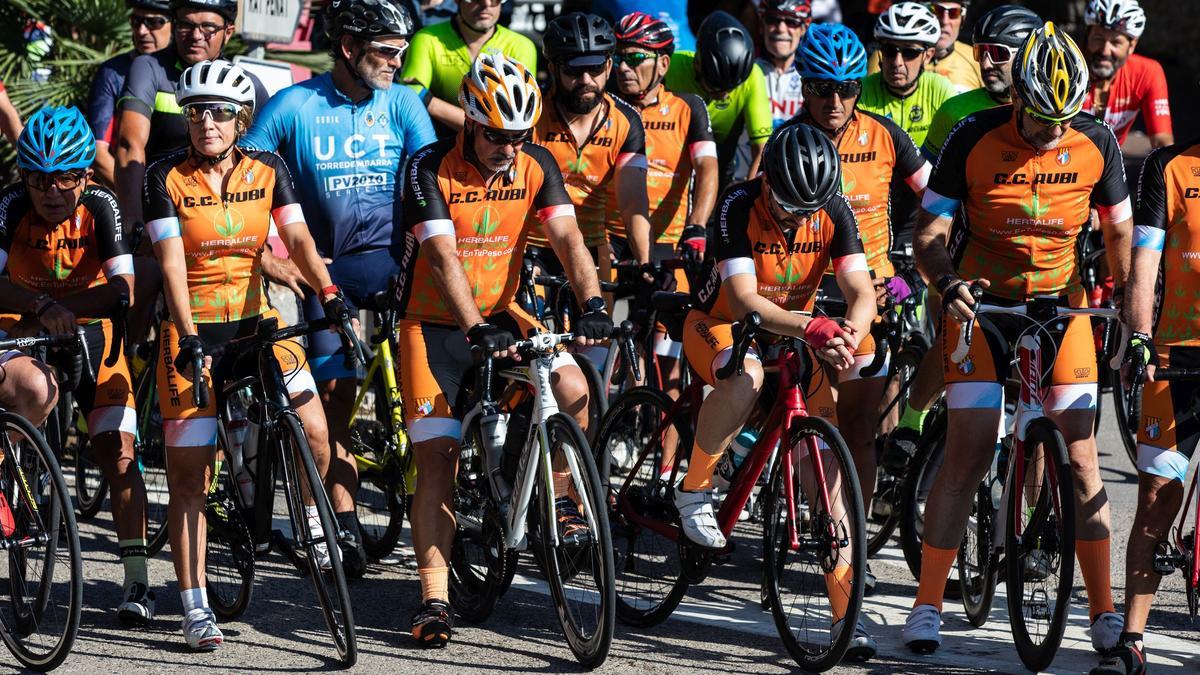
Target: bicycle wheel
{"points": [[381, 490], [1039, 549], [597, 393], [580, 574], [152, 460], [883, 514], [229, 552], [816, 566], [915, 490], [976, 565], [480, 565], [1123, 409], [90, 484], [649, 584], [39, 617], [330, 585]]}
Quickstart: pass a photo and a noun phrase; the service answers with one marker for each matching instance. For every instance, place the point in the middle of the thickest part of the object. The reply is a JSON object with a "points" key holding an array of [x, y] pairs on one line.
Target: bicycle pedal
{"points": [[1166, 559]]}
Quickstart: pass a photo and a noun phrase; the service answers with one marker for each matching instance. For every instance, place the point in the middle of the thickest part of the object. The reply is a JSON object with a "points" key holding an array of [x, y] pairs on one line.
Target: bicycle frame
{"points": [[384, 364]]}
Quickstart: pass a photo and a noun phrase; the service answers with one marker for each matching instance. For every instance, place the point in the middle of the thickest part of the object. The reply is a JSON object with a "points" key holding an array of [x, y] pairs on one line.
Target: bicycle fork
{"points": [[545, 406]]}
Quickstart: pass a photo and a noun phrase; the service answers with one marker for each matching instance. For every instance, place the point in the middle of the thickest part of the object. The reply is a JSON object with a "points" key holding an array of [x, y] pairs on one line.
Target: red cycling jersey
{"points": [[1139, 85]]}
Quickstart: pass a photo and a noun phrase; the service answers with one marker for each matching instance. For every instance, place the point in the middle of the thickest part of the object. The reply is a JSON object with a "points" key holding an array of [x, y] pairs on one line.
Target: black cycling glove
{"points": [[490, 338]]}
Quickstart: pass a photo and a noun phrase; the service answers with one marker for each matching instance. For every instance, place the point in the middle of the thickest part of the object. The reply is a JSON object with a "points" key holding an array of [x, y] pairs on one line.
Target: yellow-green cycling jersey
{"points": [[438, 58]]}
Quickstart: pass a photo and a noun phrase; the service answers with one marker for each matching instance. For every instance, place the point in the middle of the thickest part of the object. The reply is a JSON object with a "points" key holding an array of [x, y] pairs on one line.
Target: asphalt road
{"points": [[719, 628]]}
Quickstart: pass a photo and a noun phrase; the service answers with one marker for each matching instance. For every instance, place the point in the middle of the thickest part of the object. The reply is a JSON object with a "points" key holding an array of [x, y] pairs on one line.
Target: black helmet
{"points": [[226, 8], [163, 6], [367, 19], [724, 53], [1007, 25], [579, 39], [802, 167]]}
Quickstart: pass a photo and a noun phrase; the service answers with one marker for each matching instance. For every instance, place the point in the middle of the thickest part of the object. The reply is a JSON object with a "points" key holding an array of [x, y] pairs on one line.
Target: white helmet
{"points": [[908, 22], [217, 80], [1050, 74], [500, 93], [1123, 16]]}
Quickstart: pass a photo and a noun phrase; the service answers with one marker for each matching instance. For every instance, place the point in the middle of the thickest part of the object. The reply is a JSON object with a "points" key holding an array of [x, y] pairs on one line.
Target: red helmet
{"points": [[800, 9], [645, 31]]}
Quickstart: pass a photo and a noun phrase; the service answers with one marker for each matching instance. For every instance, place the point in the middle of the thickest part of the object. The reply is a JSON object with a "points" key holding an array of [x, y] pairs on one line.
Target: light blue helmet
{"points": [[832, 52], [56, 139]]}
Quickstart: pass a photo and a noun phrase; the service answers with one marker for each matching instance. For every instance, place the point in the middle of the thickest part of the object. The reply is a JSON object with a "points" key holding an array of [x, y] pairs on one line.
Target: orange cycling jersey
{"points": [[223, 234], [62, 258], [445, 194], [1023, 209], [787, 263], [1168, 220], [873, 150], [589, 169], [677, 134]]}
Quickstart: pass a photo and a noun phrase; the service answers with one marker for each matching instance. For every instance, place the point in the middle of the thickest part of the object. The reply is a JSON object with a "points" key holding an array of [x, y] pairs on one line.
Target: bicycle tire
{"points": [[884, 527], [480, 566], [597, 393], [592, 560], [880, 528], [229, 563], [1126, 412], [91, 485], [916, 484], [150, 447], [816, 547], [977, 565], [1051, 530], [380, 499], [339, 617], [51, 499], [641, 552]]}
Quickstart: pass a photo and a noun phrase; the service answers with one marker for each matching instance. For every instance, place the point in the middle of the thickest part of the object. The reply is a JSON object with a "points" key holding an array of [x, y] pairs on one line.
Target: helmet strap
{"points": [[658, 79], [199, 158]]}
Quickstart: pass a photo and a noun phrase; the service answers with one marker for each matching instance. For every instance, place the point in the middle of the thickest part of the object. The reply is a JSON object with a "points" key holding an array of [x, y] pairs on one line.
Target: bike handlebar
{"points": [[1042, 306], [744, 333]]}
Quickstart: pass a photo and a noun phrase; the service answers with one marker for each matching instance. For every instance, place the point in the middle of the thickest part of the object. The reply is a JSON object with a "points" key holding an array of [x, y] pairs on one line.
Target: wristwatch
{"points": [[595, 304], [40, 302]]}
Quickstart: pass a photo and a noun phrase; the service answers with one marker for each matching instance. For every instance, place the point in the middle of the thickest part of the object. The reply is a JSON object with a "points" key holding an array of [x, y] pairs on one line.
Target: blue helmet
{"points": [[832, 52], [56, 139]]}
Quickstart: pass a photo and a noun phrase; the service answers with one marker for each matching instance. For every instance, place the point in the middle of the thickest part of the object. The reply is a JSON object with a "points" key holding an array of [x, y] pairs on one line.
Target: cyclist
{"points": [[721, 71], [782, 26], [64, 254], [10, 119], [679, 143], [951, 59], [903, 91], [1124, 83], [774, 236], [210, 208], [1165, 329], [874, 152], [1023, 176], [998, 34], [442, 53], [597, 139], [346, 175], [674, 13], [467, 200], [150, 21]]}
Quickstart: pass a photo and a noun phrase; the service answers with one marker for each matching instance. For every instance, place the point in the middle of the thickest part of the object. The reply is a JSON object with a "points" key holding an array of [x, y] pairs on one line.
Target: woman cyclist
{"points": [[208, 211]]}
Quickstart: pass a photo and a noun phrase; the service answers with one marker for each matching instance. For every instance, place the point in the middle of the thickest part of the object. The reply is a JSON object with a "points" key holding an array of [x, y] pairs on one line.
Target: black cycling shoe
{"points": [[869, 579], [433, 624], [354, 556], [1124, 659], [899, 449], [573, 530]]}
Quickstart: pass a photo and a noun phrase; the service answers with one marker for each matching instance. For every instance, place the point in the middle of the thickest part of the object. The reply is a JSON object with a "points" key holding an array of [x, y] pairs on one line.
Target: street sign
{"points": [[268, 20]]}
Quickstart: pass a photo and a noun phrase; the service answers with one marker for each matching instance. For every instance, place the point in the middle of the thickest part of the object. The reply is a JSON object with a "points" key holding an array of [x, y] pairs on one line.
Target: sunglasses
{"points": [[206, 29], [909, 53], [789, 21], [578, 71], [492, 3], [827, 88], [500, 138], [63, 180], [632, 59], [215, 111], [151, 22], [999, 54], [1046, 120], [951, 12], [388, 52]]}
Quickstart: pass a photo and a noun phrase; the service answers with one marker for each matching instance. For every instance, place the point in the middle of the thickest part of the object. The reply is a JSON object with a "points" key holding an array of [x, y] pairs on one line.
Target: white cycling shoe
{"points": [[923, 629], [698, 519], [200, 630]]}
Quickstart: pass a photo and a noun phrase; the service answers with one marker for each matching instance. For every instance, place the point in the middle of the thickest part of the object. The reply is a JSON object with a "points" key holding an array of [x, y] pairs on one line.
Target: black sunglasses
{"points": [[151, 22], [500, 138], [827, 88], [789, 21], [909, 53], [578, 71]]}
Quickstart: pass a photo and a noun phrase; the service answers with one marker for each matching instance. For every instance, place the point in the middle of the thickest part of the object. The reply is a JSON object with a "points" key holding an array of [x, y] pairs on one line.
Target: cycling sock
{"points": [[1094, 560], [434, 583], [562, 484], [133, 559], [700, 470], [193, 598], [935, 569], [912, 418], [837, 585]]}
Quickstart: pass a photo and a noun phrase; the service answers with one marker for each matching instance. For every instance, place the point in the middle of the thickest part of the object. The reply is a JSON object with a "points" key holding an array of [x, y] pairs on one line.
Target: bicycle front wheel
{"points": [[229, 550], [381, 495], [1124, 408], [152, 461], [917, 483], [1039, 524], [39, 617], [976, 564], [579, 567], [816, 566], [329, 580]]}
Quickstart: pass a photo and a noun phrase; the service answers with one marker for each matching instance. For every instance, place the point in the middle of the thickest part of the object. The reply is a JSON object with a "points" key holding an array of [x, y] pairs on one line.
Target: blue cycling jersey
{"points": [[344, 158]]}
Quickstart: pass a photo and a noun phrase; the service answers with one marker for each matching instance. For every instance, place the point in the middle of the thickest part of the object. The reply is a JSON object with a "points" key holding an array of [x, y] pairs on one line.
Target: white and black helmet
{"points": [[500, 93], [908, 22], [1123, 16], [217, 80], [802, 167], [367, 19]]}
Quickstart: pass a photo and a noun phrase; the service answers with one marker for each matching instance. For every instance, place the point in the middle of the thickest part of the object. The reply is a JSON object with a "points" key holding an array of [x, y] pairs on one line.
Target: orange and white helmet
{"points": [[500, 93]]}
